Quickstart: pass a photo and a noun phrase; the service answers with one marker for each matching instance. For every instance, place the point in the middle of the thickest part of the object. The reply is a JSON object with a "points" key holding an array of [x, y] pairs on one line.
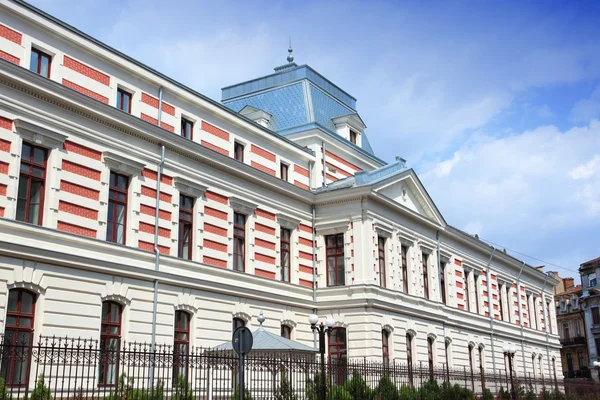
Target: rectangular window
{"points": [[385, 347], [381, 255], [500, 298], [566, 334], [592, 279], [117, 208], [596, 315], [353, 136], [335, 260], [40, 62], [548, 317], [430, 356], [425, 258], [443, 282], [239, 242], [186, 128], [124, 100], [582, 360], [285, 254], [404, 251], [467, 298], [577, 328], [476, 291], [32, 178], [238, 151], [284, 171], [409, 359], [186, 222], [286, 332]]}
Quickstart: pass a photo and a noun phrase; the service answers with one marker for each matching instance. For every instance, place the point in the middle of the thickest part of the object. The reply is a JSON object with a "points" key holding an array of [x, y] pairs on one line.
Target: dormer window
{"points": [[353, 136]]}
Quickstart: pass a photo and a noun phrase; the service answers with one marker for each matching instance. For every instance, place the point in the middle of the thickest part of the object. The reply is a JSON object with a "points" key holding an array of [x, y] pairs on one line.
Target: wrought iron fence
{"points": [[80, 369]]}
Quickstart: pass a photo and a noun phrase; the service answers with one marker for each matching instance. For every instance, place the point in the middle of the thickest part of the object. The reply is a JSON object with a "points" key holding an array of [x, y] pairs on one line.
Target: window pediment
{"points": [[242, 206], [122, 164], [39, 135], [287, 222], [332, 228], [189, 188]]}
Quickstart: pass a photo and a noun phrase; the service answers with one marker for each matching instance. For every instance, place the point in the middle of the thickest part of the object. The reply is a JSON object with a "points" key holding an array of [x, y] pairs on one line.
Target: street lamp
{"points": [[321, 329], [509, 351], [597, 365]]}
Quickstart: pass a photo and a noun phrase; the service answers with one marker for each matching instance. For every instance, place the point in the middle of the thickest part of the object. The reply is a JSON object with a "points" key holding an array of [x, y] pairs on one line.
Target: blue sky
{"points": [[496, 105]]}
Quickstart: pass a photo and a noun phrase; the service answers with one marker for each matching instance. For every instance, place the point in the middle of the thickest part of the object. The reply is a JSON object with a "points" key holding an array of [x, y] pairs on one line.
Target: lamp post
{"points": [[321, 329], [509, 351], [597, 365]]}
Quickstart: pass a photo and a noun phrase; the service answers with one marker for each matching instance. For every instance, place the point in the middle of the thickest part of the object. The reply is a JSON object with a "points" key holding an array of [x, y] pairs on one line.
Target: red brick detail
{"points": [[306, 269], [216, 148], [305, 255], [458, 273], [304, 282], [80, 170], [4, 146], [265, 244], [10, 34], [215, 213], [213, 130], [264, 274], [215, 262], [215, 230], [487, 314], [83, 90], [153, 102], [301, 185], [9, 57], [263, 168], [339, 170], [262, 152], [305, 228], [496, 307], [3, 167], [494, 276], [457, 262], [219, 198], [149, 174], [264, 228], [79, 190], [1, 212], [149, 228], [78, 210], [210, 244], [486, 304], [87, 71], [483, 273], [461, 307], [82, 150], [154, 121], [149, 192], [460, 296], [5, 123], [2, 190], [150, 247], [77, 230], [264, 258], [331, 178], [305, 242], [459, 284], [149, 210], [265, 214], [342, 161], [301, 171]]}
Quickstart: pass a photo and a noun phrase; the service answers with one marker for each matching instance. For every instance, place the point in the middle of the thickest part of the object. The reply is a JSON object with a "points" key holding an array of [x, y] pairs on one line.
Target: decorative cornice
{"points": [[39, 135], [287, 222], [121, 164], [190, 188], [331, 228], [242, 206]]}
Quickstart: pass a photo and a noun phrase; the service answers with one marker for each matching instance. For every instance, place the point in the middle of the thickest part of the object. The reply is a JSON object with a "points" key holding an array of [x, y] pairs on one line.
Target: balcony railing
{"points": [[574, 341]]}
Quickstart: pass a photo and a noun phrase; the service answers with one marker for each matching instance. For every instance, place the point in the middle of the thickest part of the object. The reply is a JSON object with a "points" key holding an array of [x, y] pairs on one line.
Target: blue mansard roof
{"points": [[298, 98]]}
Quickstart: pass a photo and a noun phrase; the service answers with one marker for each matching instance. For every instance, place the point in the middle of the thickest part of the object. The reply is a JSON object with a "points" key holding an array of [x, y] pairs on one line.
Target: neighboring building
{"points": [[571, 329], [590, 301], [272, 201]]}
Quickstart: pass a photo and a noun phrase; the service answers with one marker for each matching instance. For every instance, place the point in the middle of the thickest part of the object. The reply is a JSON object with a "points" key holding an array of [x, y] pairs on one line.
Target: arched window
{"points": [[385, 346], [110, 339], [181, 343], [338, 349], [471, 349], [238, 322], [409, 358], [286, 332], [18, 336], [430, 343]]}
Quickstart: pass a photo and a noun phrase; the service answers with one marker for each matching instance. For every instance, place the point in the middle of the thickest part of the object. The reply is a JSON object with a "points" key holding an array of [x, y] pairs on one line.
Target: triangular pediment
{"points": [[407, 190]]}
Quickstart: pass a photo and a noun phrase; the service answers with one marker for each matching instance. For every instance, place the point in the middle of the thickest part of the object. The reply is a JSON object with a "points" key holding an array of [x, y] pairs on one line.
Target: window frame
{"points": [[284, 171], [185, 219], [285, 245], [185, 122], [179, 343], [238, 149], [338, 250], [442, 273], [237, 323], [430, 355], [425, 262], [239, 236], [286, 331], [30, 176], [337, 351], [404, 260], [40, 54], [121, 93], [105, 337], [385, 347], [114, 202], [381, 258], [409, 358], [353, 137], [16, 329]]}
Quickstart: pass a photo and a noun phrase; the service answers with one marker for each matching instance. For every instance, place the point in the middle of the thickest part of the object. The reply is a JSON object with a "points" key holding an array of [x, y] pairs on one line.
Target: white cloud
{"points": [[587, 109], [586, 170]]}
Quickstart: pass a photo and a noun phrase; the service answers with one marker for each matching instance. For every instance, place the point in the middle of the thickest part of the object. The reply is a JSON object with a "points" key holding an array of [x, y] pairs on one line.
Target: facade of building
{"points": [[136, 209], [590, 301], [571, 329]]}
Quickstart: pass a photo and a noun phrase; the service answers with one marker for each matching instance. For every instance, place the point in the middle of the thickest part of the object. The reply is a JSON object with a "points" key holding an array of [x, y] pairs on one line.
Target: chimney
{"points": [[568, 282]]}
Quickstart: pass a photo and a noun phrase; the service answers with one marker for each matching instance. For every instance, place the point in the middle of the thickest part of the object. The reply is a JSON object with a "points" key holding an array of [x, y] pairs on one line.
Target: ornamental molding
{"points": [[39, 135], [121, 164], [332, 228], [190, 188], [383, 229], [287, 222], [242, 206]]}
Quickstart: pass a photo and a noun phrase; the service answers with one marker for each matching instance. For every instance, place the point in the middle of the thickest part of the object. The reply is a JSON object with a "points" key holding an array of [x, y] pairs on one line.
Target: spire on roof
{"points": [[290, 57]]}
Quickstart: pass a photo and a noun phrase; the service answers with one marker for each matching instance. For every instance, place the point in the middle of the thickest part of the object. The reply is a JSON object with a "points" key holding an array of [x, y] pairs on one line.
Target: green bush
{"points": [[236, 394], [313, 387], [125, 391], [285, 391], [340, 393], [487, 395], [182, 390], [4, 390], [41, 391], [386, 390], [358, 388]]}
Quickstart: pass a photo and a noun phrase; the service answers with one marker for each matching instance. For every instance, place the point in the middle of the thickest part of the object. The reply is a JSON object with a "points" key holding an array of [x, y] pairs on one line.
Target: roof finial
{"points": [[261, 318], [290, 57]]}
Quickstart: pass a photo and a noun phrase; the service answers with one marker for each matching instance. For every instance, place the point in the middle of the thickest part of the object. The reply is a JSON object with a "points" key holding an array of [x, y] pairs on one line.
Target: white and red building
{"points": [[270, 200]]}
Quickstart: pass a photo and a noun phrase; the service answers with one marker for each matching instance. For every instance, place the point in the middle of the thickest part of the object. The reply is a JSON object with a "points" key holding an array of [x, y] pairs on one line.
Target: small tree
{"points": [[358, 388], [41, 391], [285, 391], [236, 394]]}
